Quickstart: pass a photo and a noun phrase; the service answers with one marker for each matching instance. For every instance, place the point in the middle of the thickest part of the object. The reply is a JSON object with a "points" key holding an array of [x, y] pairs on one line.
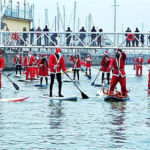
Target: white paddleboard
{"points": [[13, 99], [68, 98], [68, 81]]}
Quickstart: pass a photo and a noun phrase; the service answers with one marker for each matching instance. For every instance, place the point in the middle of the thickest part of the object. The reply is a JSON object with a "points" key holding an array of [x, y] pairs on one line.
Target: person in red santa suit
{"points": [[134, 62], [106, 66], [139, 67], [2, 63], [28, 64], [43, 71], [36, 67], [76, 66], [148, 74], [119, 73], [18, 62], [88, 64], [56, 64]]}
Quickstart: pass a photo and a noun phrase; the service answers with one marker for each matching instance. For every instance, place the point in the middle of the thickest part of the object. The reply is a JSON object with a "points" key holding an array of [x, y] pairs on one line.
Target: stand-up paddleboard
{"points": [[101, 85], [41, 86], [68, 98], [23, 80], [115, 97], [13, 99]]}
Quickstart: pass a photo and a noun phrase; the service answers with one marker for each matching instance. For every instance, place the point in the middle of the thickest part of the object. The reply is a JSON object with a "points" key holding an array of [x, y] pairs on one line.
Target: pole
{"points": [[55, 23], [58, 18], [64, 17], [0, 14], [78, 24], [74, 20]]}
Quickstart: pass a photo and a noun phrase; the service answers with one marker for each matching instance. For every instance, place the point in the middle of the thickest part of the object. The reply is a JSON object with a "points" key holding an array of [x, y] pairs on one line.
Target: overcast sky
{"points": [[129, 13]]}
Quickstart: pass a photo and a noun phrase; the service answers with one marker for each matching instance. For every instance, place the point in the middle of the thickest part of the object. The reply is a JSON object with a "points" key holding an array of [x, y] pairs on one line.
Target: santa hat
{"points": [[44, 55], [1, 52], [106, 53], [58, 50], [118, 50]]}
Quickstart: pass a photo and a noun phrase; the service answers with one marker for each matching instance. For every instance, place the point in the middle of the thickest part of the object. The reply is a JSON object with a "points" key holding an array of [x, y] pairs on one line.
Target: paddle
{"points": [[95, 78], [89, 77], [9, 74], [84, 96], [15, 85]]}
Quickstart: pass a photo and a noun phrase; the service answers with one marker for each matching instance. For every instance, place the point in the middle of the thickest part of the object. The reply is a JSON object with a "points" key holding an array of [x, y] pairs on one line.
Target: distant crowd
{"points": [[94, 38]]}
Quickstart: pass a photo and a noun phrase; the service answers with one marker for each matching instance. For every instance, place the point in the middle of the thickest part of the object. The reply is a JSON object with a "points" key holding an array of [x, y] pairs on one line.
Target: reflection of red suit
{"points": [[18, 60], [28, 63], [119, 74], [76, 63], [53, 61], [88, 62], [105, 64], [2, 62], [139, 62], [43, 71]]}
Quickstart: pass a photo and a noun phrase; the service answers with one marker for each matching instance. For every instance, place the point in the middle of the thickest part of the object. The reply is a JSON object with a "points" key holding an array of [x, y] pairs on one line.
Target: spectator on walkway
{"points": [[99, 38], [68, 36], [46, 40], [136, 40], [149, 39], [53, 39], [31, 36], [25, 36], [142, 40], [38, 36], [93, 36], [127, 41], [82, 36]]}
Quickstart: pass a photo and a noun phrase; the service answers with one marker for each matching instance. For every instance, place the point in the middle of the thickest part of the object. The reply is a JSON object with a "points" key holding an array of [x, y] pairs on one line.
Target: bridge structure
{"points": [[74, 40]]}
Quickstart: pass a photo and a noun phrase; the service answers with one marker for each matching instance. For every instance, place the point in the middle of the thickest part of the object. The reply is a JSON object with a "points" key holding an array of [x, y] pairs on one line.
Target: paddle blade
{"points": [[89, 77], [92, 83], [9, 74], [84, 96], [16, 86]]}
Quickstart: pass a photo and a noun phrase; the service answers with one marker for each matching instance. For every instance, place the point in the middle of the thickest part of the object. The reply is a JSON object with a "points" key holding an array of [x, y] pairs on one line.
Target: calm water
{"points": [[85, 124]]}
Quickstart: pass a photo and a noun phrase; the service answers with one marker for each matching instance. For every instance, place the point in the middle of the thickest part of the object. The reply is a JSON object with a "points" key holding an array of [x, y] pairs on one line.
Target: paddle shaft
{"points": [[7, 77], [97, 76]]}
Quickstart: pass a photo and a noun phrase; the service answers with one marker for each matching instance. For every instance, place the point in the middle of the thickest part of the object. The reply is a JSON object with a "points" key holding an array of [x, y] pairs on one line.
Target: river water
{"points": [[86, 124]]}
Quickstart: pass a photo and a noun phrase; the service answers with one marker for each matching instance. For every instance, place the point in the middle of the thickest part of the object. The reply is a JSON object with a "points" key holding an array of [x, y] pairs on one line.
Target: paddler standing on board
{"points": [[139, 65], [106, 66], [119, 75], [43, 71], [36, 67], [18, 63], [88, 64], [2, 63], [149, 75], [28, 63], [76, 66], [56, 64]]}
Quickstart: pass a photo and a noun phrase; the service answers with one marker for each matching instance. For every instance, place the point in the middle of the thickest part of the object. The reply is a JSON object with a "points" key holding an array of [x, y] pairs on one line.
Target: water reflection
{"points": [[55, 115], [117, 130]]}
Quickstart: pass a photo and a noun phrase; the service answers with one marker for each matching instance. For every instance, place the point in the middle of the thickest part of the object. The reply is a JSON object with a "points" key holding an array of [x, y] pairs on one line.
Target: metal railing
{"points": [[76, 40]]}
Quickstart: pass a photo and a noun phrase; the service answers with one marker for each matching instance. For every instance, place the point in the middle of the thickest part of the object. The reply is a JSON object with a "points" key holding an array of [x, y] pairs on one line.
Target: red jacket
{"points": [[88, 62], [29, 61], [53, 61], [76, 63], [148, 61], [2, 62], [105, 64], [119, 65], [139, 61], [18, 61]]}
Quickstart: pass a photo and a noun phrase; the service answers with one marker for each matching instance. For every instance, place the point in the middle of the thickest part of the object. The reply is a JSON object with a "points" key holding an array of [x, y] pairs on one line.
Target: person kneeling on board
{"points": [[139, 62], [106, 67], [76, 66], [56, 64], [2, 62], [18, 62], [88, 64], [43, 71], [28, 63], [119, 74]]}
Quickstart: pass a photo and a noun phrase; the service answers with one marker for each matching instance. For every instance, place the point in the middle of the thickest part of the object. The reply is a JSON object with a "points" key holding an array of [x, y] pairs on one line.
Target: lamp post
{"points": [[18, 9], [11, 6]]}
